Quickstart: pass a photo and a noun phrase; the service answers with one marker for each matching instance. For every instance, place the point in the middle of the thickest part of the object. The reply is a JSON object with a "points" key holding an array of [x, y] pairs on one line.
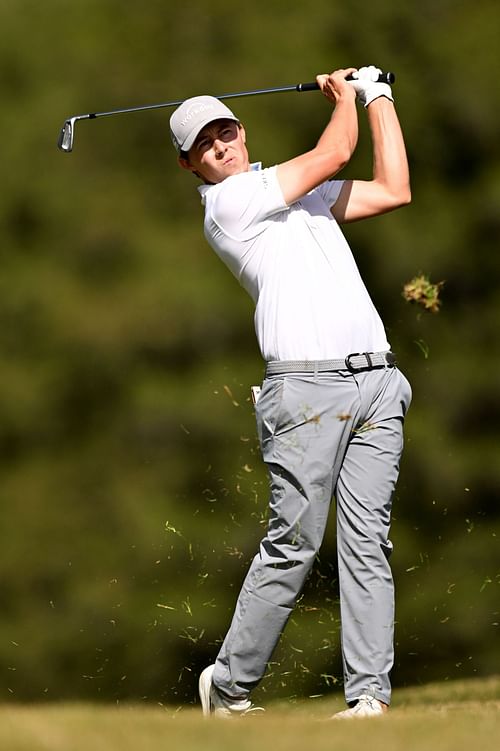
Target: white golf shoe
{"points": [[366, 706], [215, 705]]}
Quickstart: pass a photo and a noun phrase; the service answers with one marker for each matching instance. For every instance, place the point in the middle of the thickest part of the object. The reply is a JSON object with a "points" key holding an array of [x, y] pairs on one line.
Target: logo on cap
{"points": [[195, 109]]}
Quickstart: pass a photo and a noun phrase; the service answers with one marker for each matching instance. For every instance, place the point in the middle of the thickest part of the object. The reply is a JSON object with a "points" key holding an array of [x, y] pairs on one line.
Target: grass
{"points": [[448, 716]]}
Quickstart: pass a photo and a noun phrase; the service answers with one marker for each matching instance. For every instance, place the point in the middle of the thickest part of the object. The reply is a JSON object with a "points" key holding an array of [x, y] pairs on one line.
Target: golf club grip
{"points": [[313, 86]]}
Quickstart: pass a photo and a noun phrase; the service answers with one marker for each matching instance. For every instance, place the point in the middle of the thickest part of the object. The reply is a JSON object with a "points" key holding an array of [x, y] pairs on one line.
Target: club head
{"points": [[67, 135]]}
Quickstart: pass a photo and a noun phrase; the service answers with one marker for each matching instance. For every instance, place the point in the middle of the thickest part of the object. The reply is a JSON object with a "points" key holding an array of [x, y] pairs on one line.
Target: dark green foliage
{"points": [[131, 489]]}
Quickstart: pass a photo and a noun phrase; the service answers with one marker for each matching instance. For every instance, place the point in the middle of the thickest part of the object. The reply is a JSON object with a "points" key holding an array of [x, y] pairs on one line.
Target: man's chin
{"points": [[234, 169], [228, 170]]}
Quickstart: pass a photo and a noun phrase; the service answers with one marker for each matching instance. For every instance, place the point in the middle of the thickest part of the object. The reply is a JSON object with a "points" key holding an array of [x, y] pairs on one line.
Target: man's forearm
{"points": [[390, 163], [341, 133]]}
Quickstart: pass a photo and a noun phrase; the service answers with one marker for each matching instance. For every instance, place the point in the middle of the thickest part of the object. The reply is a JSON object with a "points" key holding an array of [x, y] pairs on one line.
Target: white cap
{"points": [[192, 116]]}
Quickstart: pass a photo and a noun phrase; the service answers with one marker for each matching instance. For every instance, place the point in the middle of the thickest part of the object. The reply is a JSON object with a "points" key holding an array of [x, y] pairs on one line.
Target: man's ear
{"points": [[243, 132], [185, 164]]}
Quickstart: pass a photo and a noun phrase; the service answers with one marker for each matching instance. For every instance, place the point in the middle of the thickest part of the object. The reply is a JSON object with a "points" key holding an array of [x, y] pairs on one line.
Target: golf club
{"points": [[67, 134]]}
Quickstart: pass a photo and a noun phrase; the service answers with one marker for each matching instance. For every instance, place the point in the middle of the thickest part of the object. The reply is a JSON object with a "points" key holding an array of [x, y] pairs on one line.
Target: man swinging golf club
{"points": [[329, 419]]}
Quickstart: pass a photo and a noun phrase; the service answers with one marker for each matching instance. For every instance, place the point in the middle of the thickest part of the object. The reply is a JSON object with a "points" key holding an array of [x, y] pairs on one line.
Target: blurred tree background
{"points": [[132, 493]]}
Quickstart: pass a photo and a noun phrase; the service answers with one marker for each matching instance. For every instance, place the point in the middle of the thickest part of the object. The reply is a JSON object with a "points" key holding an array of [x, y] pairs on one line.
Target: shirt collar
{"points": [[203, 189]]}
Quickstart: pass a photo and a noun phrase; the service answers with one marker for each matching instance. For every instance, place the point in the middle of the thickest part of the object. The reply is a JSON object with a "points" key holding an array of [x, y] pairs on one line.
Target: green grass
{"points": [[438, 717]]}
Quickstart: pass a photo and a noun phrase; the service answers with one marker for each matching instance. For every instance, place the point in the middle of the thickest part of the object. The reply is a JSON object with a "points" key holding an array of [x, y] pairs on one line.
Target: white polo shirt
{"points": [[310, 300]]}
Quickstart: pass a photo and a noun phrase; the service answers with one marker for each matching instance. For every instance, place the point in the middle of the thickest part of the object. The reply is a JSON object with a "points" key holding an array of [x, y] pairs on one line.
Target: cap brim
{"points": [[194, 135]]}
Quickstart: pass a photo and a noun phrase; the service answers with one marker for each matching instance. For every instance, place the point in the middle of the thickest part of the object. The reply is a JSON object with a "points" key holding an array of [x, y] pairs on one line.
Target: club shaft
{"points": [[311, 86], [175, 103]]}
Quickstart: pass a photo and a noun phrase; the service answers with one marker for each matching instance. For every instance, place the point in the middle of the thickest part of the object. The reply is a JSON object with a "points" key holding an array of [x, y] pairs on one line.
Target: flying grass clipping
{"points": [[422, 291]]}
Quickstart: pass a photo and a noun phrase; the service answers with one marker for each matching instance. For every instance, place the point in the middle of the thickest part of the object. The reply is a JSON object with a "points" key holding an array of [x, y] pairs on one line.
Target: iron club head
{"points": [[67, 135]]}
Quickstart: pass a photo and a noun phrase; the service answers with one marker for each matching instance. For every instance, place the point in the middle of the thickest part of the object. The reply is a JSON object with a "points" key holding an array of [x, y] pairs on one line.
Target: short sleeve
{"points": [[330, 191], [243, 204]]}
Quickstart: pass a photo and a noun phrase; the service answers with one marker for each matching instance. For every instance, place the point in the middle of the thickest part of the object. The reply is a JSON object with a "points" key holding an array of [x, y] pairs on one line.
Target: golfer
{"points": [[332, 405]]}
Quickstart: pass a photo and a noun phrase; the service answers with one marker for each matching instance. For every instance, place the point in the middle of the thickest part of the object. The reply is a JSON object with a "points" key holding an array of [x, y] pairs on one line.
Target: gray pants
{"points": [[324, 434]]}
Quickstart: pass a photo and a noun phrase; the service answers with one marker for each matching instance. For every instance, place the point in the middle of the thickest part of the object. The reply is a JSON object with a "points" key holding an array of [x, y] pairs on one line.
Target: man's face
{"points": [[218, 152]]}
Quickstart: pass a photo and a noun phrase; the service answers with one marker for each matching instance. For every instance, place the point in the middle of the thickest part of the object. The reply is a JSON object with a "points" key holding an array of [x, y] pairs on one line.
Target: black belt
{"points": [[354, 363]]}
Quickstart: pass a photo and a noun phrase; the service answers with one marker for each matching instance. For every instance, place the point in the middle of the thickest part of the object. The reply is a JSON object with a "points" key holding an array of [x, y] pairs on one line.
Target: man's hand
{"points": [[334, 86], [367, 87]]}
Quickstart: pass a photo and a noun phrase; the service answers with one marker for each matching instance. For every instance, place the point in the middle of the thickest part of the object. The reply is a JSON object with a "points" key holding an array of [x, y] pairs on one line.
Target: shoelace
{"points": [[364, 701], [238, 712], [254, 710]]}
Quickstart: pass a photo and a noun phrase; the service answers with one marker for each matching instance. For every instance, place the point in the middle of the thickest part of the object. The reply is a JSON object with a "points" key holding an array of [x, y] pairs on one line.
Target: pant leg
{"points": [[364, 497], [304, 425]]}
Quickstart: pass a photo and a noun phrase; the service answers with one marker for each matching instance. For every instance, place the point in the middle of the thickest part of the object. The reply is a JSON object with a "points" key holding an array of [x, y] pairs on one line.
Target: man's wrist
{"points": [[347, 97], [380, 98], [378, 91]]}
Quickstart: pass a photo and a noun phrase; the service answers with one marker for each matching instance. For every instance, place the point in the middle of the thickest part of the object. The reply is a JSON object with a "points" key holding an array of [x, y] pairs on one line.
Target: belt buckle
{"points": [[351, 367], [390, 359]]}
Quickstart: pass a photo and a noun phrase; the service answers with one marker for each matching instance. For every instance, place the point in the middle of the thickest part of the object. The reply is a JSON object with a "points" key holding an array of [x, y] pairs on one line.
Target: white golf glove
{"points": [[367, 87]]}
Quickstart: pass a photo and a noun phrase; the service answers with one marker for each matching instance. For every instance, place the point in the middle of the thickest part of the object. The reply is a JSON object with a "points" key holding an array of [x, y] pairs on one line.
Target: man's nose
{"points": [[219, 147]]}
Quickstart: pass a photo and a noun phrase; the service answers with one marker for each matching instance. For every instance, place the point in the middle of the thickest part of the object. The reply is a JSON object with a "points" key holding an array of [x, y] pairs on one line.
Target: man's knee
{"points": [[289, 552]]}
